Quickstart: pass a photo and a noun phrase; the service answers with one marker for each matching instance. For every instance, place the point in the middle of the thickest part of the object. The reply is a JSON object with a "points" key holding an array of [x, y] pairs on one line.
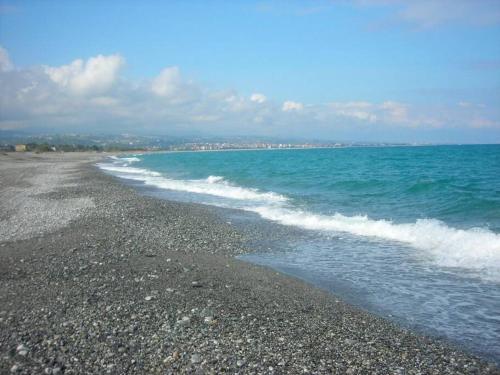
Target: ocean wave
{"points": [[476, 248], [125, 160], [128, 172], [214, 179], [213, 185], [131, 159]]}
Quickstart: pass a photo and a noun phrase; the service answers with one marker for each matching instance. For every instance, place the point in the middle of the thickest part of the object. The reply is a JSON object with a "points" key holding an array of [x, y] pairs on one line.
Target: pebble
{"points": [[22, 350], [208, 320], [87, 319], [195, 358], [185, 321]]}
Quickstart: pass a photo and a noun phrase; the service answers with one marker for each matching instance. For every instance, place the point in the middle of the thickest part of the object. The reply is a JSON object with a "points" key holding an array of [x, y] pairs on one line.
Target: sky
{"points": [[359, 70]]}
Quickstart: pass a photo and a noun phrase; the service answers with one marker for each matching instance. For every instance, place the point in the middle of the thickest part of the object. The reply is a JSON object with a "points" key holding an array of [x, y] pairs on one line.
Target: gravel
{"points": [[121, 283]]}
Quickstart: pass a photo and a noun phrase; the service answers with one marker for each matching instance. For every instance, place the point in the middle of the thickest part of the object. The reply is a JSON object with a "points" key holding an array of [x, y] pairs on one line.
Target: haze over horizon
{"points": [[366, 70]]}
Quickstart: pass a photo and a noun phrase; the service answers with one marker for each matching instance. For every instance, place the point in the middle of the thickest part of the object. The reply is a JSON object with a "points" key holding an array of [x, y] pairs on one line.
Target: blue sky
{"points": [[362, 69]]}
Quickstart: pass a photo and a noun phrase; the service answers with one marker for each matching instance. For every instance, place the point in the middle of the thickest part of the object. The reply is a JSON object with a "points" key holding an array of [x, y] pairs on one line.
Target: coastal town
{"points": [[127, 142]]}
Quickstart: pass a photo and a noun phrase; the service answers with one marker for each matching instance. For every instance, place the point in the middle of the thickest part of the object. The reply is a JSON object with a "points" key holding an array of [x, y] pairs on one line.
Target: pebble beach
{"points": [[96, 278]]}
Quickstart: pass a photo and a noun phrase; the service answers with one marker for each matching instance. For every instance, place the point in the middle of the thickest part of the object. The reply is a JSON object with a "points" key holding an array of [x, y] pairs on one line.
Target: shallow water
{"points": [[411, 233]]}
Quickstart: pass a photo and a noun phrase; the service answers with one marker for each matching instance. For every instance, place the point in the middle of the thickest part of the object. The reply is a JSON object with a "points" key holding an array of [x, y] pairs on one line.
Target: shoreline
{"points": [[127, 283]]}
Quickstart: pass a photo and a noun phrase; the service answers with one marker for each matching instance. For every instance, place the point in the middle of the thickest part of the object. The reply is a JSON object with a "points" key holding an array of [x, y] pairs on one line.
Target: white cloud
{"points": [[292, 106], [171, 86], [96, 75], [5, 63], [167, 82], [395, 112], [388, 112], [258, 98], [90, 94], [357, 110]]}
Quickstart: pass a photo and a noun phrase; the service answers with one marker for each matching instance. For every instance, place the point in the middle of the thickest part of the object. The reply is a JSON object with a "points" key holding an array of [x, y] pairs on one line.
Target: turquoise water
{"points": [[412, 233]]}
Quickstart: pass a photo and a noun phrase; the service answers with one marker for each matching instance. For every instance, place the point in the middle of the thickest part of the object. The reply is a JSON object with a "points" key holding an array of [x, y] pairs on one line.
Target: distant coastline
{"points": [[42, 144]]}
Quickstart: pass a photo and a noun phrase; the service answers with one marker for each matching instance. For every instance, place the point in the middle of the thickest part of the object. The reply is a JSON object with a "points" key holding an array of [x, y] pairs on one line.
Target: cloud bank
{"points": [[92, 95]]}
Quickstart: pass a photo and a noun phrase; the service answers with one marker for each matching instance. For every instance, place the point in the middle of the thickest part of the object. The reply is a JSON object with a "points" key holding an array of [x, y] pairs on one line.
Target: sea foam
{"points": [[128, 172], [213, 185], [131, 159], [475, 249]]}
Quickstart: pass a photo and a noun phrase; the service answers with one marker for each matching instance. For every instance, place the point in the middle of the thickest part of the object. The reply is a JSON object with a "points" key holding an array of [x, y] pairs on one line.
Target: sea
{"points": [[411, 234]]}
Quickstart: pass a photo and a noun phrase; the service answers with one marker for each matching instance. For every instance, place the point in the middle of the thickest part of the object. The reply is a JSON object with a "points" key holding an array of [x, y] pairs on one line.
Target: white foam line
{"points": [[477, 249], [125, 170], [213, 185]]}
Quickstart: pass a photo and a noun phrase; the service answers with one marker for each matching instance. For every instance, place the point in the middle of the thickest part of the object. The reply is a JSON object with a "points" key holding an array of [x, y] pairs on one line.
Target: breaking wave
{"points": [[128, 160], [213, 185], [475, 249]]}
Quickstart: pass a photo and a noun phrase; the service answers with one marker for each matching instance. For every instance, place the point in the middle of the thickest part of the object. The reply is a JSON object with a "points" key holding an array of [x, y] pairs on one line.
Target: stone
{"points": [[22, 350], [195, 358], [208, 320], [185, 321]]}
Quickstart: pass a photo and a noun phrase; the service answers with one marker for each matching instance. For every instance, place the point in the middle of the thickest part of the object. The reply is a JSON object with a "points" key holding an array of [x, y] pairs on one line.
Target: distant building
{"points": [[21, 148]]}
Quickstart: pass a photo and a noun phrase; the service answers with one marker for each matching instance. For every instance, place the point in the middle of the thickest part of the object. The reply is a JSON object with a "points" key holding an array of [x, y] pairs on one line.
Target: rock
{"points": [[22, 350], [240, 363], [185, 321], [149, 298], [195, 358], [207, 312], [208, 320]]}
